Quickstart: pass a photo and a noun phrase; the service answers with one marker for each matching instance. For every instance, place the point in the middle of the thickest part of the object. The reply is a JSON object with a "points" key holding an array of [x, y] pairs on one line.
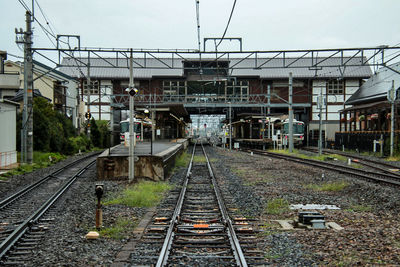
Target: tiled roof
{"points": [[376, 88]]}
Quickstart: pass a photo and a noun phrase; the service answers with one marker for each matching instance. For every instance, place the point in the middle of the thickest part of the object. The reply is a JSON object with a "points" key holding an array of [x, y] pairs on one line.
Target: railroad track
{"points": [[199, 231], [390, 178], [373, 164], [25, 215]]}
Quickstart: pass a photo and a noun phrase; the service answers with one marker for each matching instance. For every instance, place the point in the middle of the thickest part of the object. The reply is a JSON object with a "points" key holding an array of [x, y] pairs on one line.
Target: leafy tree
{"points": [[95, 134]]}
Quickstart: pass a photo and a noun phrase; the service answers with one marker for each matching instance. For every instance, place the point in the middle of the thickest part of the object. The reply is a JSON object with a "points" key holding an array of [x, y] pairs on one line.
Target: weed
{"points": [[394, 158], [360, 208], [298, 154], [330, 186], [199, 159], [277, 206], [182, 160], [143, 194], [40, 160], [119, 229]]}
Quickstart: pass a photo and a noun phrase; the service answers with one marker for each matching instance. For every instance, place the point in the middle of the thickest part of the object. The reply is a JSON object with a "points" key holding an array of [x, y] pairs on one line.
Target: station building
{"points": [[210, 86]]}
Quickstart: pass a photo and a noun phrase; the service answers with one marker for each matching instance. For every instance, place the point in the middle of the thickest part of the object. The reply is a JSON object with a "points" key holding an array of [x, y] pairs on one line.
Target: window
{"points": [[174, 88], [94, 90], [238, 91], [335, 87]]}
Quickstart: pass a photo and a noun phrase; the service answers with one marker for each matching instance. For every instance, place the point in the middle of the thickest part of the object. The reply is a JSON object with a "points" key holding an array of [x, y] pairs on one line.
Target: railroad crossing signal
{"points": [[88, 115], [132, 91]]}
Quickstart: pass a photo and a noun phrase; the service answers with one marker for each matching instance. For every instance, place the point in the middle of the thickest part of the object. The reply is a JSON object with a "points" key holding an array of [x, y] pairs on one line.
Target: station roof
{"points": [[376, 88], [264, 68]]}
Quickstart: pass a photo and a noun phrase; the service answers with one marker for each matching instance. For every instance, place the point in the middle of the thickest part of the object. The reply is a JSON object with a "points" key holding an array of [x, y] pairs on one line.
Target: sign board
{"points": [[158, 132], [274, 138], [236, 145], [223, 139]]}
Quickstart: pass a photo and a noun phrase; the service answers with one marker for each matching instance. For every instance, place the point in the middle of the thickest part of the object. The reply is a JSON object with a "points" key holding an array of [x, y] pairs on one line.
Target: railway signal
{"points": [[88, 115]]}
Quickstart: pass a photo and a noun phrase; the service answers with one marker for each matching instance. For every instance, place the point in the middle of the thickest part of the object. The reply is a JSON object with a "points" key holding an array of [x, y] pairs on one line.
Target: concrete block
{"points": [[334, 226], [92, 235], [285, 224]]}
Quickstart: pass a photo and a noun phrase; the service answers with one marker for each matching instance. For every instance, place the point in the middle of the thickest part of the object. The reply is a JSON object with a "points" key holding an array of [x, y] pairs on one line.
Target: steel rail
{"points": [[359, 158], [163, 257], [5, 202], [237, 250], [9, 242], [333, 167]]}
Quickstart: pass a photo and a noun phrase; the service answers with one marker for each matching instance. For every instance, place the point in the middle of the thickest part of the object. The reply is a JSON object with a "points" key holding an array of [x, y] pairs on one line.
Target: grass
{"points": [[360, 208], [182, 160], [322, 157], [329, 186], [277, 206], [119, 229], [143, 194], [199, 159], [40, 160], [394, 158]]}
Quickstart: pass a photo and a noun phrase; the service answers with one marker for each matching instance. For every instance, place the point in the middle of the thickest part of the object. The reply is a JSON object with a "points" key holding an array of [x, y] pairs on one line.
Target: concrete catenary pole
{"points": [[230, 126], [131, 124], [89, 88], [28, 81], [320, 104], [392, 100], [290, 112], [269, 109]]}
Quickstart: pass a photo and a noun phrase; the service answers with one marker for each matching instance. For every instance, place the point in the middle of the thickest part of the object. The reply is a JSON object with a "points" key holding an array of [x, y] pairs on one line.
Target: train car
{"points": [[298, 131], [124, 128]]}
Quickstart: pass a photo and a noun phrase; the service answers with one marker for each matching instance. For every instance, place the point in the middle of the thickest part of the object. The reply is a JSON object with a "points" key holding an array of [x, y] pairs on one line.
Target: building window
{"points": [[94, 90], [335, 87], [238, 91], [174, 88]]}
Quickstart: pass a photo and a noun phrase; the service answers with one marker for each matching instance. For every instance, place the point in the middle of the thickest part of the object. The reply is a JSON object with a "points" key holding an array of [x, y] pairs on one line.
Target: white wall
{"points": [[8, 142]]}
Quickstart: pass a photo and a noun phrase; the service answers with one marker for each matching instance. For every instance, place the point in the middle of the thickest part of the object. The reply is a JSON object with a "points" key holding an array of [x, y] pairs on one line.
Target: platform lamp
{"points": [[146, 111]]}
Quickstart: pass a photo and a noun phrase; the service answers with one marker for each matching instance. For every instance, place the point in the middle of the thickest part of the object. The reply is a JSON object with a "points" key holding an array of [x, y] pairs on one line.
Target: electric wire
{"points": [[45, 17], [227, 25]]}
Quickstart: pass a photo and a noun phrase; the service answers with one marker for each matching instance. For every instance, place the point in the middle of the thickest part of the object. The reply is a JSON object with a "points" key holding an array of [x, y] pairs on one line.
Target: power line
{"points": [[45, 17], [22, 2], [227, 25]]}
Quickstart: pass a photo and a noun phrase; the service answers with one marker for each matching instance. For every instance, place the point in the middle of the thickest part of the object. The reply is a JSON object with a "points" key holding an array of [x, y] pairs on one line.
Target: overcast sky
{"points": [[263, 24]]}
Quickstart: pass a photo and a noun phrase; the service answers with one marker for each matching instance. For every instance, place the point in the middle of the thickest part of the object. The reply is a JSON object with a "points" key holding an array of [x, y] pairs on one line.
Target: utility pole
{"points": [[269, 109], [290, 112], [392, 99], [131, 122], [230, 126], [89, 88], [27, 116], [320, 104]]}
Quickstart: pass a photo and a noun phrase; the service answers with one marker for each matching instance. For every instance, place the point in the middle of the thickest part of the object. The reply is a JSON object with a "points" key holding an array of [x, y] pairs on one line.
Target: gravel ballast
{"points": [[369, 214]]}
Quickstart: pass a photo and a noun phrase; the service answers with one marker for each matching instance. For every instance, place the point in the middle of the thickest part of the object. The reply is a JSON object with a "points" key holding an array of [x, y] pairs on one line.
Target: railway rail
{"points": [[390, 178], [26, 214], [373, 164], [200, 231]]}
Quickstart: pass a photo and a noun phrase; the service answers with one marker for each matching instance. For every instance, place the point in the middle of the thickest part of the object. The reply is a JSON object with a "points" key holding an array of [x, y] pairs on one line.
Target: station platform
{"points": [[152, 161]]}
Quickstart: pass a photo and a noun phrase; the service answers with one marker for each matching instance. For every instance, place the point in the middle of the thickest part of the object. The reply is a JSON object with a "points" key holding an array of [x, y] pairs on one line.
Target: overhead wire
{"points": [[227, 25]]}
